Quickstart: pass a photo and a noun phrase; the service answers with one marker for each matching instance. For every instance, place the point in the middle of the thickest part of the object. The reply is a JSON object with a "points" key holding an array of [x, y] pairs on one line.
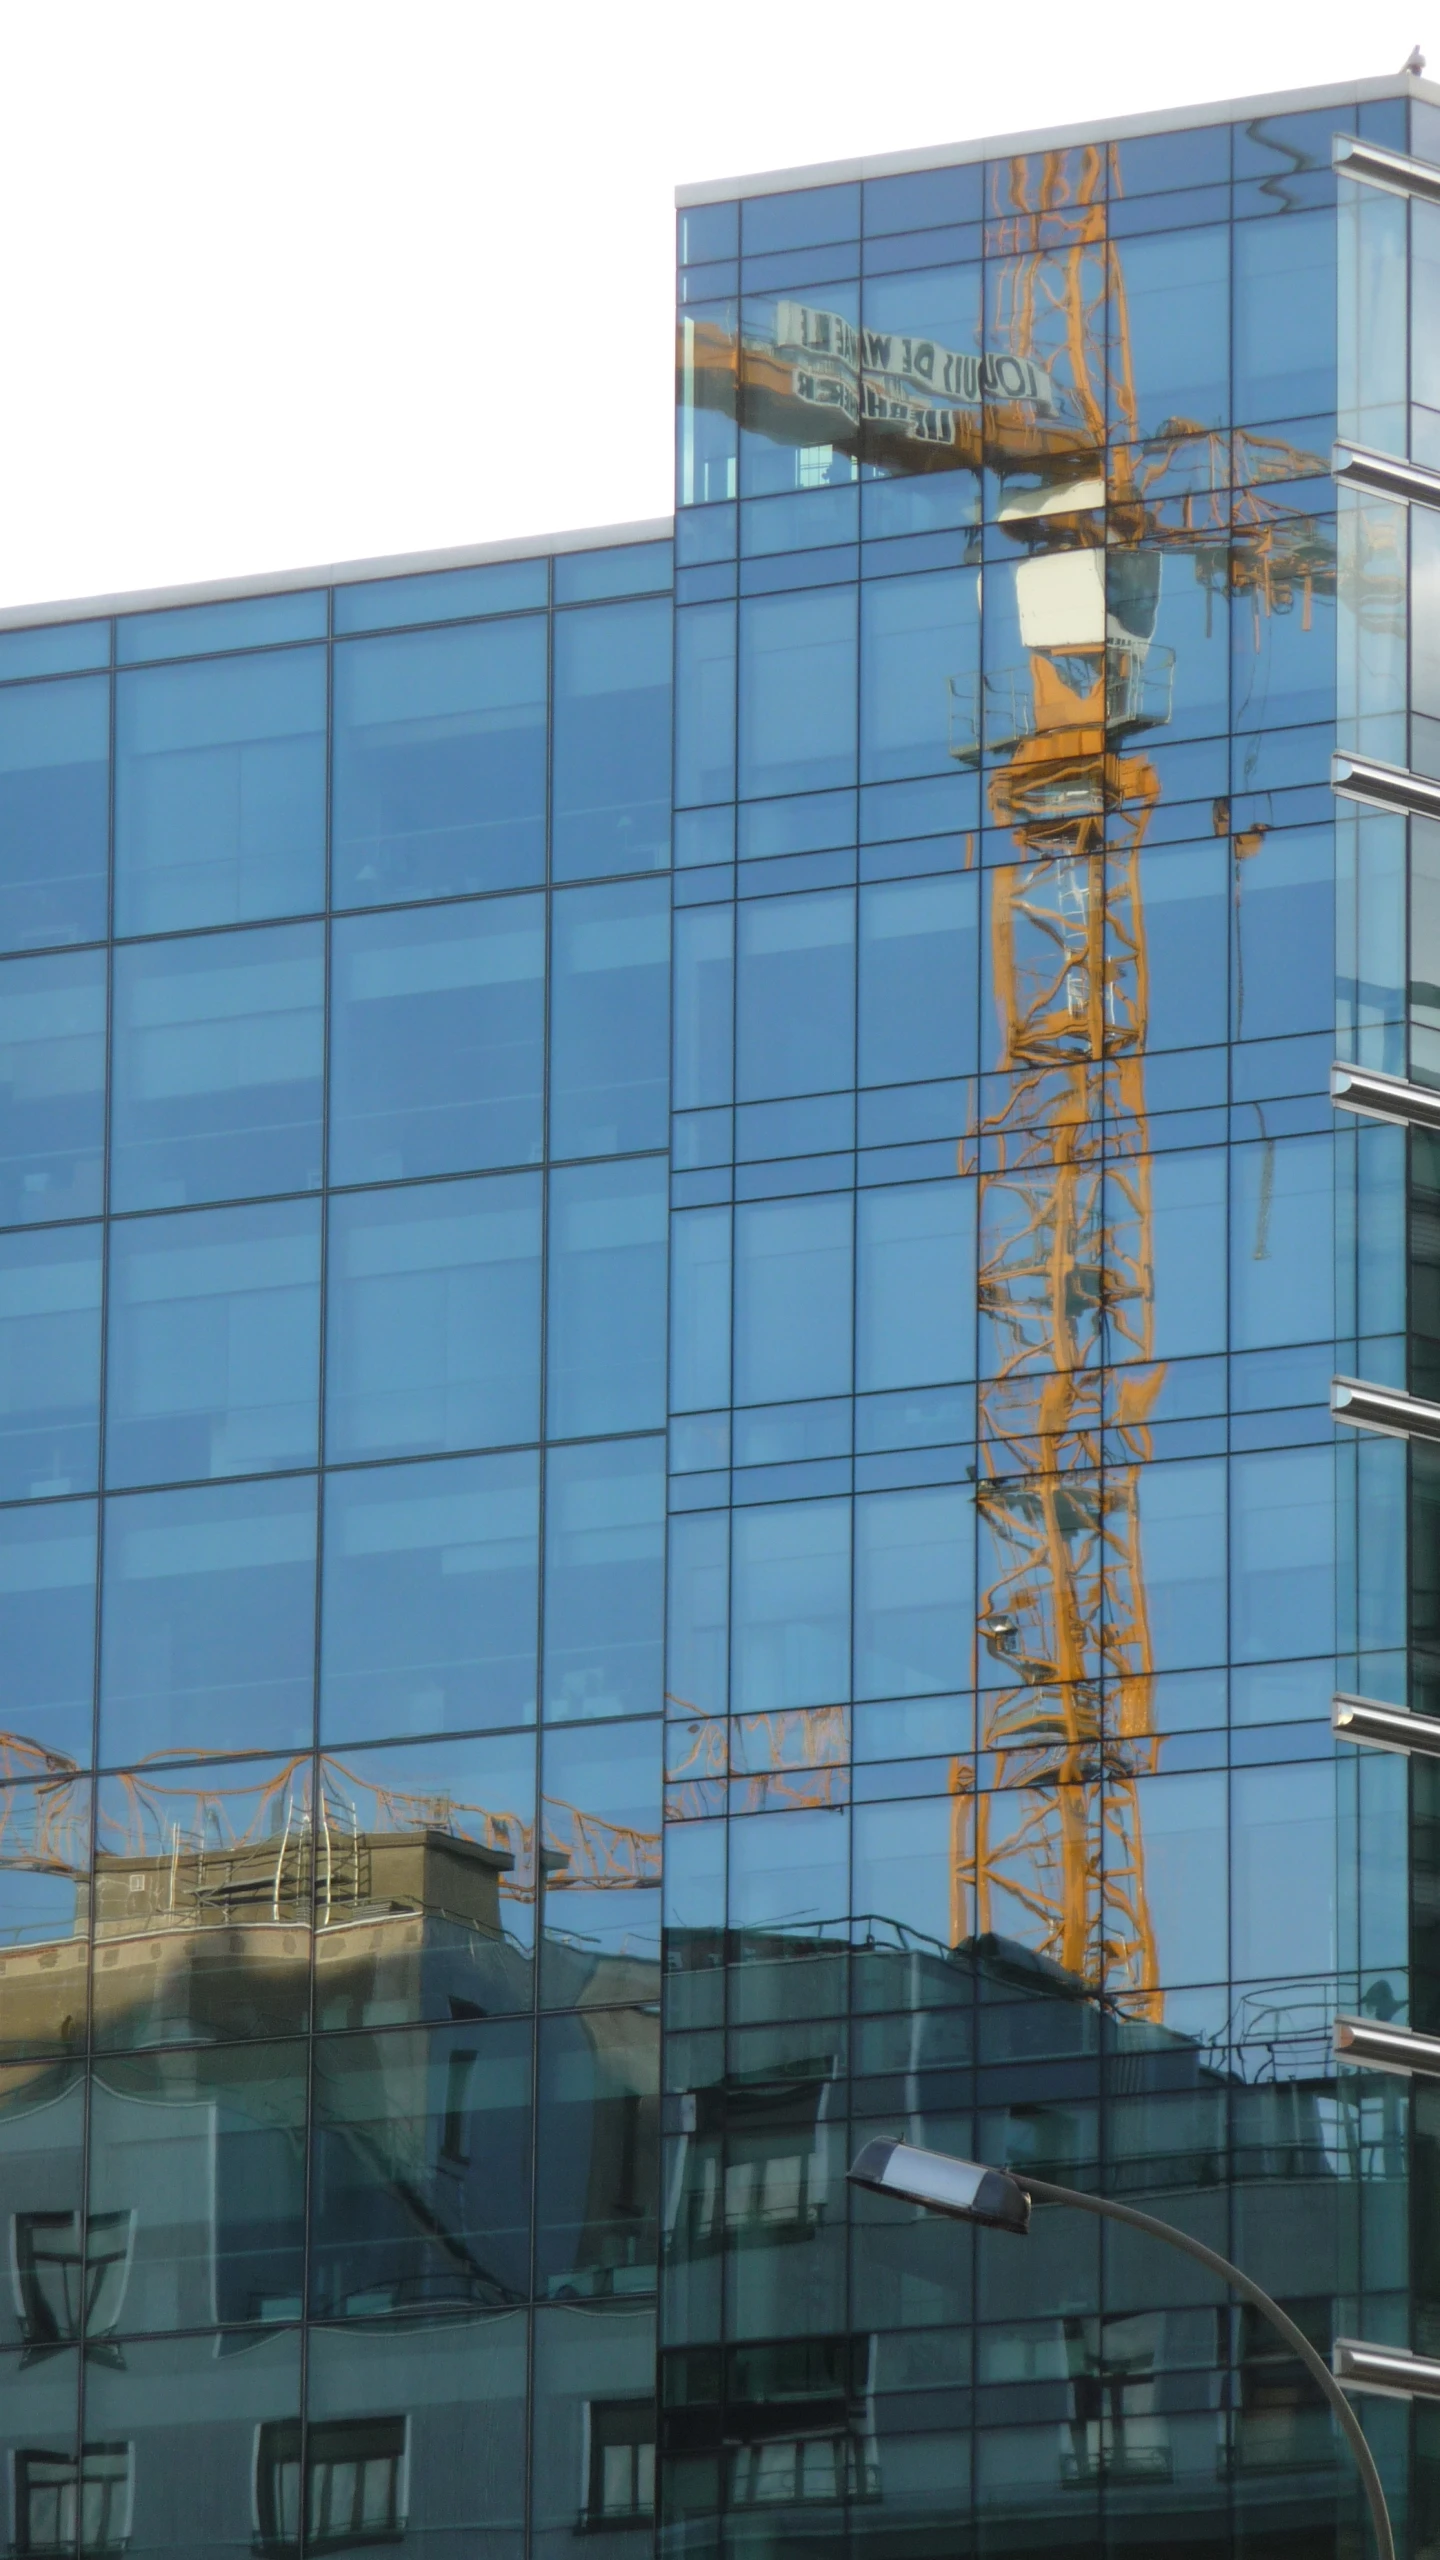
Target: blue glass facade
{"points": [[673, 1241]]}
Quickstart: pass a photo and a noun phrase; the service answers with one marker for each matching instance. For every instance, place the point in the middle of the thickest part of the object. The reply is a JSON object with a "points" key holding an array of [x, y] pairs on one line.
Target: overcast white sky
{"points": [[297, 281]]}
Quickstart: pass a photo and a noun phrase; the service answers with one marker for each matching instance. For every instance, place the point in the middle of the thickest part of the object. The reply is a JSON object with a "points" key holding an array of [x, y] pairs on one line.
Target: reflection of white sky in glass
{"points": [[340, 291]]}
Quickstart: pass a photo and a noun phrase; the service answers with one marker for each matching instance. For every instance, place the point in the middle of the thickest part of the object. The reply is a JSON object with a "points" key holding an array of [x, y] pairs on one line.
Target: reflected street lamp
{"points": [[968, 2192]]}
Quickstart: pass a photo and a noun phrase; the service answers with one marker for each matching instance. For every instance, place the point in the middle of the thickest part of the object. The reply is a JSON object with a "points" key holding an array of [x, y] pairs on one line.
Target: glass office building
{"points": [[700, 1398]]}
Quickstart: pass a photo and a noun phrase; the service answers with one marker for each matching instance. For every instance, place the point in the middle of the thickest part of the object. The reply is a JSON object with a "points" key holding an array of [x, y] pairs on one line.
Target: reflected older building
{"points": [[672, 1241]]}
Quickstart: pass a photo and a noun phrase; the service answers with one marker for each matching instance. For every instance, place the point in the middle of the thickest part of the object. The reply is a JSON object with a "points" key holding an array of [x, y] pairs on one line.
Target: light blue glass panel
{"points": [[795, 1002], [433, 1333], [1186, 893], [214, 1342], [1284, 937], [208, 1621], [606, 1356], [1182, 1560], [797, 691], [1282, 1554], [704, 704], [54, 649], [704, 971], [698, 1599], [439, 781], [243, 622], [437, 1040], [902, 1870], [794, 1295], [914, 1591], [54, 813], [1284, 1872], [1285, 318], [1182, 1820], [915, 1285], [1282, 1242], [919, 969], [790, 1606], [429, 1617], [218, 1067], [620, 569], [49, 1361], [610, 1019], [610, 775], [699, 1310], [919, 649], [220, 792], [47, 1625], [595, 1777], [1168, 1299], [604, 1579], [1176, 288], [442, 595], [790, 1871], [52, 1087]]}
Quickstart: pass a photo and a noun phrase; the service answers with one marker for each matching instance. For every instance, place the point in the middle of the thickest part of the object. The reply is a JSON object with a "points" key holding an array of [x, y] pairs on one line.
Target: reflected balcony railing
{"points": [[1043, 703]]}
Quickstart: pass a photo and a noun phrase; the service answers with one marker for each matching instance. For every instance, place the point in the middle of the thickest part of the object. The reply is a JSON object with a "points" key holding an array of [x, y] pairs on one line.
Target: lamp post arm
{"points": [[1294, 2338]]}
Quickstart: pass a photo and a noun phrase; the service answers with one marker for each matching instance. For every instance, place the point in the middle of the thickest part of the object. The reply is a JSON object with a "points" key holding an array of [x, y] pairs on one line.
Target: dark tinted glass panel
{"points": [[208, 1621], [202, 2431], [47, 1628], [438, 1041], [431, 1582], [420, 2194], [54, 813], [214, 1343], [449, 595], [49, 1361], [40, 2148], [609, 1019], [439, 763], [461, 2385], [52, 1087], [433, 1340], [595, 2425], [220, 792], [611, 797], [604, 1579], [219, 1065], [192, 631], [598, 2168], [606, 1315]]}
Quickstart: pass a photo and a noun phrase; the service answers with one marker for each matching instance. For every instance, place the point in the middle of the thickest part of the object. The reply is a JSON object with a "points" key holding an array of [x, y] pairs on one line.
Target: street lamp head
{"points": [[963, 2189]]}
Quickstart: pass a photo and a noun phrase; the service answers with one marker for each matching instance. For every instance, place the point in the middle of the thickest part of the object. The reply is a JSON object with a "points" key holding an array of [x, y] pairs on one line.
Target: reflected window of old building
{"points": [[620, 2462], [62, 2505], [355, 2473], [70, 2281]]}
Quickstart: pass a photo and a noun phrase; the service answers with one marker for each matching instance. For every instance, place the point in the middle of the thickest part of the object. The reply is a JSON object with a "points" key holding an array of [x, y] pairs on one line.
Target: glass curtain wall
{"points": [[1014, 1555], [334, 1019]]}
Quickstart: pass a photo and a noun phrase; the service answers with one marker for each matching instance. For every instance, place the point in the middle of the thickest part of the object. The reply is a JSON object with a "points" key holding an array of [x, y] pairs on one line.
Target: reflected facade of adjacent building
{"points": [[672, 1242]]}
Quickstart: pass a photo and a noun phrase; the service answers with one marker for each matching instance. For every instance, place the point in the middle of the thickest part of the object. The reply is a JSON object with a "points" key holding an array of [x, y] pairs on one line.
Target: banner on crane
{"points": [[889, 379]]}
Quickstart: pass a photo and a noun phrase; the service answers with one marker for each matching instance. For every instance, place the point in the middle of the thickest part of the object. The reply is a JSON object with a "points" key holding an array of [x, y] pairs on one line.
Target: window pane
{"points": [[797, 692], [1285, 317], [606, 1354], [433, 1339], [699, 1310], [421, 2175], [604, 1579], [52, 1087], [462, 2383], [54, 813], [918, 968], [1282, 1554], [791, 1640], [208, 1621], [220, 792], [221, 2138], [1284, 1877], [447, 1833], [219, 1066], [914, 1591], [214, 1343], [192, 2432], [610, 1019], [1176, 307], [916, 1285], [920, 644], [601, 1810], [704, 704], [705, 1004], [437, 1040], [431, 1587], [440, 763], [1180, 1512], [47, 1630], [49, 1362], [795, 1014], [611, 804], [599, 2103], [1282, 1242], [794, 1294]]}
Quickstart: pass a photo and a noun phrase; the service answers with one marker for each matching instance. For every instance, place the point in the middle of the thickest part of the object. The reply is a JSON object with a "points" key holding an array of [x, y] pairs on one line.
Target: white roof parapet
{"points": [[1001, 146]]}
